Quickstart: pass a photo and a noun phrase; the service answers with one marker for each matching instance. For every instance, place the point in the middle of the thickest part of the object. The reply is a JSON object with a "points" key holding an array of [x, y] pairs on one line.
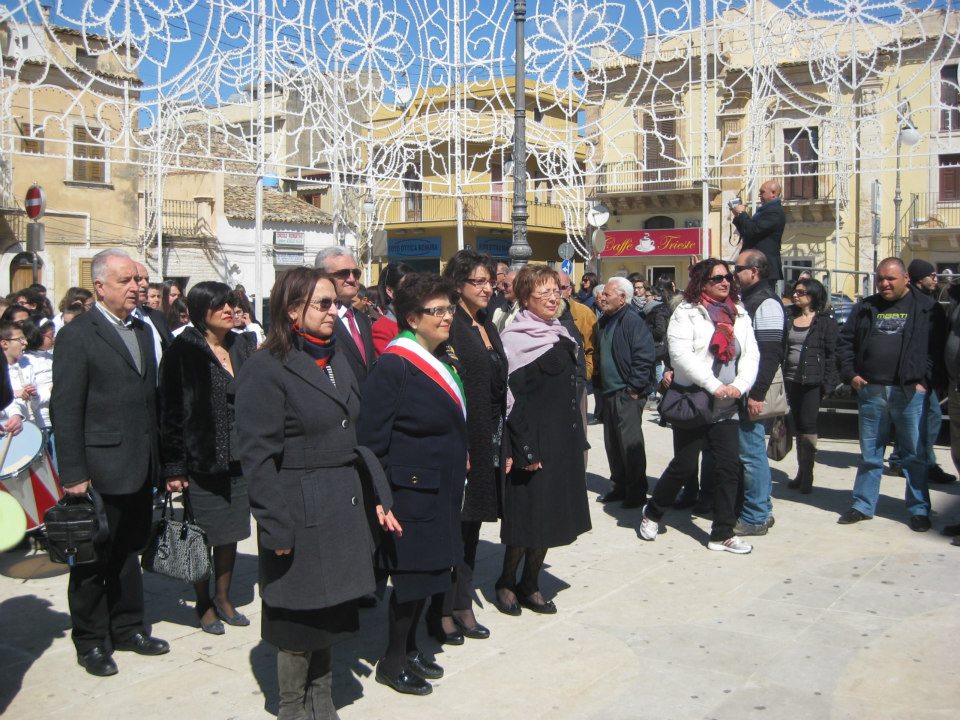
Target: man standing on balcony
{"points": [[763, 230]]}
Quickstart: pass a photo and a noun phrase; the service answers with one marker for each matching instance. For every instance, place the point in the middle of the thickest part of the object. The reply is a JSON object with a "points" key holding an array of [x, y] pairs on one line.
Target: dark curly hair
{"points": [[815, 291], [698, 280], [415, 290], [461, 266]]}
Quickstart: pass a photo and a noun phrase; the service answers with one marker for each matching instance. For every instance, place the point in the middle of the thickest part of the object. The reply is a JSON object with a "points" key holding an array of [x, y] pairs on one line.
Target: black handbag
{"points": [[686, 406], [76, 527], [177, 549]]}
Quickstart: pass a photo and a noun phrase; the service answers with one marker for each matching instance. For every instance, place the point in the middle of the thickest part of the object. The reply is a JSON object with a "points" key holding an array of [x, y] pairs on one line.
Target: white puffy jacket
{"points": [[689, 336]]}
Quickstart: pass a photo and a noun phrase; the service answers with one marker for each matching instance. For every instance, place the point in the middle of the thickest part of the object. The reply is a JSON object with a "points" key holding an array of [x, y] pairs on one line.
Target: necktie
{"points": [[355, 332]]}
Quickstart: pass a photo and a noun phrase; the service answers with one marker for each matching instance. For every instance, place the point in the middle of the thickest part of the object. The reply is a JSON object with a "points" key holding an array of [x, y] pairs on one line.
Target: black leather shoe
{"points": [[937, 474], [97, 662], [427, 669], [852, 516], [951, 530], [477, 632], [545, 608], [614, 495], [143, 645], [406, 682], [436, 631], [919, 523], [513, 609]]}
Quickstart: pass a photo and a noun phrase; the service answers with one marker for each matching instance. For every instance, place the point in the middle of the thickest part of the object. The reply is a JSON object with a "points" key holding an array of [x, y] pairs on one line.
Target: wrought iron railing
{"points": [[632, 176], [181, 218], [417, 208], [930, 211]]}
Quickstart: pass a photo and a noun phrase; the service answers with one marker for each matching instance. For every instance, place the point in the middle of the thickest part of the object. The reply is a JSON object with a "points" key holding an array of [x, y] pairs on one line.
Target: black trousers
{"points": [[460, 594], [106, 597], [804, 403], [723, 440], [623, 439]]}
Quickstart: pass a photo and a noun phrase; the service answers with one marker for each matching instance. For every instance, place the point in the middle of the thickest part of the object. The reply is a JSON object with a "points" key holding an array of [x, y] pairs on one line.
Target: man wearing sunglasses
{"points": [[763, 230], [353, 331], [766, 312]]}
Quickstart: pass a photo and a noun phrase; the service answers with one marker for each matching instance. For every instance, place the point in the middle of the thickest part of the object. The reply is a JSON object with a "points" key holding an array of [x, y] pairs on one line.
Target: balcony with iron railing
{"points": [[930, 213], [808, 194], [180, 218], [477, 209], [631, 176]]}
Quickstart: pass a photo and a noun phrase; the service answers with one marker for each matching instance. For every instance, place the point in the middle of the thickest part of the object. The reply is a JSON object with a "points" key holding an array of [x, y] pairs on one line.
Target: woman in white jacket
{"points": [[712, 346]]}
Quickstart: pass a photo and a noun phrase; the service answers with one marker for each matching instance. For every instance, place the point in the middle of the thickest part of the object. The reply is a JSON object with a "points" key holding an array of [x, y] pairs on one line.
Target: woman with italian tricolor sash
{"points": [[545, 496], [413, 418]]}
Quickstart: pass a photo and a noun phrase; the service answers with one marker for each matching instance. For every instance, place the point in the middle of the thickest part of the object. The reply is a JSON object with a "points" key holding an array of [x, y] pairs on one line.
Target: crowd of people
{"points": [[371, 433]]}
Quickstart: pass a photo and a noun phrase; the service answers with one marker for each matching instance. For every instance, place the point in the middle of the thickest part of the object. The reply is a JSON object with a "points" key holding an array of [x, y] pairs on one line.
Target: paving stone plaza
{"points": [[820, 621]]}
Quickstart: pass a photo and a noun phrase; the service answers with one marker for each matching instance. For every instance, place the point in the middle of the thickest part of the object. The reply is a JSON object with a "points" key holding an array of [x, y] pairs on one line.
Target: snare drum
{"points": [[34, 484]]}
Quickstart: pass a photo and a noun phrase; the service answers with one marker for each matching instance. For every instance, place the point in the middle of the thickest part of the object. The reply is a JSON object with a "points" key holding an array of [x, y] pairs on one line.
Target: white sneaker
{"points": [[733, 545], [649, 529]]}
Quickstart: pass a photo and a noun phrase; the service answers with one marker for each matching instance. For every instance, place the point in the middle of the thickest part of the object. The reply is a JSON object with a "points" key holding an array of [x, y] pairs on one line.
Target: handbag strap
{"points": [[188, 515]]}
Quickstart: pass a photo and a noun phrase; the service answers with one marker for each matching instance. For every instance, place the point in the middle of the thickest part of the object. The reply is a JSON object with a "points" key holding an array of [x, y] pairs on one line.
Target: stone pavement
{"points": [[820, 621]]}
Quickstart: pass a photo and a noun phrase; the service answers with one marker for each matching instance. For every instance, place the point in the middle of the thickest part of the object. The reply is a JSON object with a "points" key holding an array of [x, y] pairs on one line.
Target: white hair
{"points": [[623, 286], [597, 289], [330, 252], [98, 268]]}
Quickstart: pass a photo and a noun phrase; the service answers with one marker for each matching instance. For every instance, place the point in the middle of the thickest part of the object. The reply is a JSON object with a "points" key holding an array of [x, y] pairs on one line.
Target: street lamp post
{"points": [[907, 135], [520, 251], [369, 209]]}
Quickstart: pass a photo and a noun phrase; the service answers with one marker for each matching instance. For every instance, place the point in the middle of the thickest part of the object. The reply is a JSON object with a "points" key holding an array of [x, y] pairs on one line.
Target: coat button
{"points": [[530, 457], [344, 423], [353, 501], [414, 480]]}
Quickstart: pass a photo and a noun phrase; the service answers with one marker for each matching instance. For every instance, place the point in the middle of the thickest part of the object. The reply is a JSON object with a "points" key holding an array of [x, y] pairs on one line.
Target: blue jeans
{"points": [[757, 484], [879, 405]]}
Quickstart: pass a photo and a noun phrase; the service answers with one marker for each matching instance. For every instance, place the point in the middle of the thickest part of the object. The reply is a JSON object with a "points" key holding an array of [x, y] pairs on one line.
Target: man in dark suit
{"points": [[104, 411], [763, 230], [154, 319], [353, 332]]}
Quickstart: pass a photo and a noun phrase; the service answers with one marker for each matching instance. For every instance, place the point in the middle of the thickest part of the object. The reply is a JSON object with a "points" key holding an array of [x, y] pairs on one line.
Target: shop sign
{"points": [[641, 243], [421, 247], [495, 247]]}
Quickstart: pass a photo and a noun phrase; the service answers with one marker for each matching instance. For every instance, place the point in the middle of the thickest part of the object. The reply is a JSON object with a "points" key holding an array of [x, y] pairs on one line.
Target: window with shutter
{"points": [[659, 152], [949, 178], [88, 157], [800, 164], [949, 99], [86, 274]]}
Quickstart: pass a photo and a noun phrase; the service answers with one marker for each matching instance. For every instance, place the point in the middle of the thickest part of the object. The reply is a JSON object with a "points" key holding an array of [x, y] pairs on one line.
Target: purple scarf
{"points": [[527, 338]]}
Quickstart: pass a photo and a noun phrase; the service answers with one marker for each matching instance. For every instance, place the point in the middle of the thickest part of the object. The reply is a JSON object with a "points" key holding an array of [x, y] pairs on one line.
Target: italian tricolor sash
{"points": [[446, 377]]}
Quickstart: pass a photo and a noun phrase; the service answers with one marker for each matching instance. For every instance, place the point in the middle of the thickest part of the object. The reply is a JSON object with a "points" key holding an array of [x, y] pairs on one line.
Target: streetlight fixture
{"points": [[907, 134], [520, 250]]}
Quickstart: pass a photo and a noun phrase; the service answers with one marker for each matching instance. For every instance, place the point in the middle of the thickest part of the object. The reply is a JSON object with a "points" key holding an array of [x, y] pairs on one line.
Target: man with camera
{"points": [[763, 230]]}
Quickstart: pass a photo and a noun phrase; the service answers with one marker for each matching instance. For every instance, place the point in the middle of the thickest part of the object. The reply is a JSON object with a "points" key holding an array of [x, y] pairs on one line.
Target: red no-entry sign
{"points": [[36, 202]]}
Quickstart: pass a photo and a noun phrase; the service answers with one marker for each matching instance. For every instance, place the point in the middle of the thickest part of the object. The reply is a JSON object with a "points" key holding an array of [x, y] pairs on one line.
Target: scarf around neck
{"points": [[525, 339], [319, 349], [723, 314]]}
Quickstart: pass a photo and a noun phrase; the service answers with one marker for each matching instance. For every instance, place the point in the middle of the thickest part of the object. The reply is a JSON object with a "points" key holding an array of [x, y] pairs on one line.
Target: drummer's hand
{"points": [[14, 425], [388, 522], [179, 483], [78, 489]]}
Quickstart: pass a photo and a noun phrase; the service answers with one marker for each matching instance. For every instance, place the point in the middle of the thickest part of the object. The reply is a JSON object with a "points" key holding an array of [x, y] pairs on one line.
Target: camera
{"points": [[731, 204]]}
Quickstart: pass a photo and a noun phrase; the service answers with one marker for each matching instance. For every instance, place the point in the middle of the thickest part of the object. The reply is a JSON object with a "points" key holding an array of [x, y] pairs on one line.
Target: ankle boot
{"points": [[292, 679], [807, 454], [319, 694]]}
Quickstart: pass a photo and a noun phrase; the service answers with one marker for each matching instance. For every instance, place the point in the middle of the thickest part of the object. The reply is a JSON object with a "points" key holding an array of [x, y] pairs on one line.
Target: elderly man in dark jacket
{"points": [[626, 372], [890, 350]]}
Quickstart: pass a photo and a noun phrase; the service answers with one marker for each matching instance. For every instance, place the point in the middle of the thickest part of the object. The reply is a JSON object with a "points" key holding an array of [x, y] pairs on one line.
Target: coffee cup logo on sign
{"points": [[646, 244]]}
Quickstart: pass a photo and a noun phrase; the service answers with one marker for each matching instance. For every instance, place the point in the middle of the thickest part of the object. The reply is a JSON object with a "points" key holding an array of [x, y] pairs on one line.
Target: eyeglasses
{"points": [[479, 283], [717, 279], [800, 293], [565, 287], [323, 304], [544, 294], [347, 273], [440, 311], [22, 340]]}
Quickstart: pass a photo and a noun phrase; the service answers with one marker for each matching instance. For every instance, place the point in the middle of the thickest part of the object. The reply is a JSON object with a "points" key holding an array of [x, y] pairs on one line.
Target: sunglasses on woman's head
{"points": [[717, 279]]}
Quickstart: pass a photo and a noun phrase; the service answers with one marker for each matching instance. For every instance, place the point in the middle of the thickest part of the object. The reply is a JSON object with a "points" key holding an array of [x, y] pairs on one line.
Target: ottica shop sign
{"points": [[425, 247], [640, 243]]}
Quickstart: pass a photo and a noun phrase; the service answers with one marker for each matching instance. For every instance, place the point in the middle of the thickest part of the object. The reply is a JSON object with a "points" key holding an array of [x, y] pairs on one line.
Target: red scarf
{"points": [[319, 349], [723, 314]]}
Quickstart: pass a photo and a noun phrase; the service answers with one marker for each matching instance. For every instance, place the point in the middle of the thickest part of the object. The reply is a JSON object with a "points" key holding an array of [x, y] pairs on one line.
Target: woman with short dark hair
{"points": [[545, 494], [297, 407], [198, 444], [413, 417], [177, 316], [809, 370]]}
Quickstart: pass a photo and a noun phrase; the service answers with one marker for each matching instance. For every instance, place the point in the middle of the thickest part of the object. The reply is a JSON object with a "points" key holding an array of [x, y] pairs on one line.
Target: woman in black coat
{"points": [[413, 416], [477, 352], [809, 371], [545, 497], [297, 406], [198, 442]]}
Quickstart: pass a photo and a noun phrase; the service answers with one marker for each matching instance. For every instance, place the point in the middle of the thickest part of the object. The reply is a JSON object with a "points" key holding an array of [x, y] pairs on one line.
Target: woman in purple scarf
{"points": [[545, 496]]}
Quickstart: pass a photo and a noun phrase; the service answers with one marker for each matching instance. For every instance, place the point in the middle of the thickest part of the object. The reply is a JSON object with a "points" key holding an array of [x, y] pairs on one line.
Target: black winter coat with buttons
{"points": [[546, 507], [299, 453], [420, 436]]}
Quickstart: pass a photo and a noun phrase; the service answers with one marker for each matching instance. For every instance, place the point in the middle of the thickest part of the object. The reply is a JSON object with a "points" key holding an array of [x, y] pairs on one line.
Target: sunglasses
{"points": [[345, 274], [717, 279], [321, 304], [741, 268], [439, 312], [800, 293]]}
